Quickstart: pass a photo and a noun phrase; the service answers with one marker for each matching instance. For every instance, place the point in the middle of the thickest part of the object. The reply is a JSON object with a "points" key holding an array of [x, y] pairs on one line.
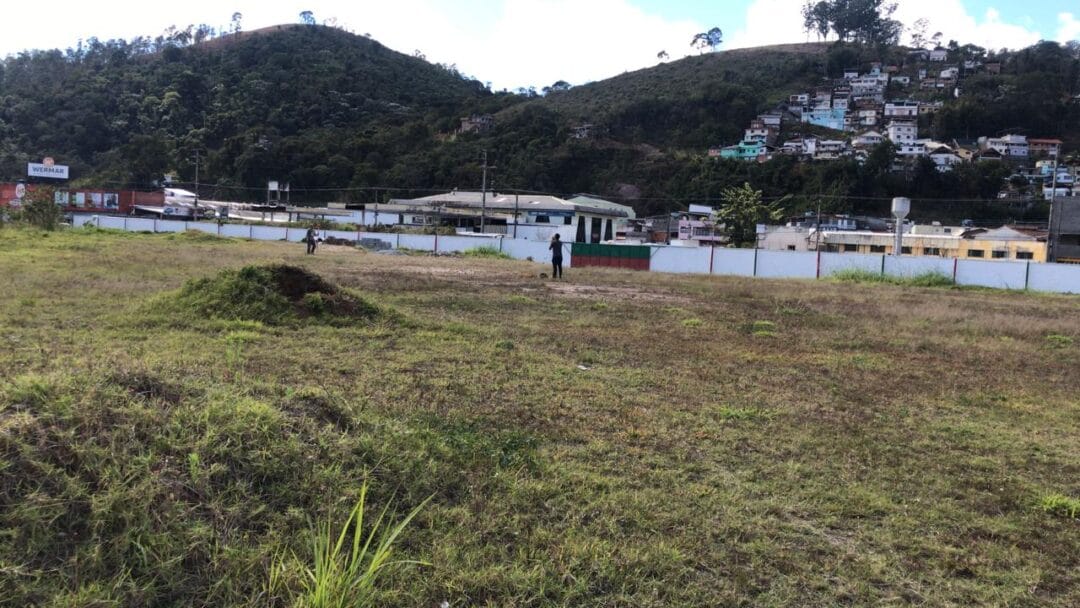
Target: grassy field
{"points": [[616, 439]]}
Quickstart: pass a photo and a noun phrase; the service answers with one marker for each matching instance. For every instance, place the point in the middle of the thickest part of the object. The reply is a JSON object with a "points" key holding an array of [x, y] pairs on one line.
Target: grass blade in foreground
{"points": [[345, 575]]}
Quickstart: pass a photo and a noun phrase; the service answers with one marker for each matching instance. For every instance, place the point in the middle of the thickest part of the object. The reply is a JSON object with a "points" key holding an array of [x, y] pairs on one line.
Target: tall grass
{"points": [[929, 279], [347, 564]]}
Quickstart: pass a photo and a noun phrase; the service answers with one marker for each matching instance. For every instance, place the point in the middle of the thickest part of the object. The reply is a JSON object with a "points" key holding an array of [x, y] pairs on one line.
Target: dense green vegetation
{"points": [[616, 439], [339, 115]]}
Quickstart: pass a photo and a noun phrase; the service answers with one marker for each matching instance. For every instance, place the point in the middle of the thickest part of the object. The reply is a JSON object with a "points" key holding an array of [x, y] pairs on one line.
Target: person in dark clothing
{"points": [[310, 239], [556, 257]]}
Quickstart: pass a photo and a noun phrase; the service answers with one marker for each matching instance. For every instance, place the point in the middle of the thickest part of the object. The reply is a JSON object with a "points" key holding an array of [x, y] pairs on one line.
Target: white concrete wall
{"points": [[140, 224], [236, 231], [907, 266], [1003, 275], [520, 249], [1059, 278], [832, 263], [739, 262], [267, 233], [206, 227], [464, 243], [171, 226], [681, 259], [787, 264], [419, 242]]}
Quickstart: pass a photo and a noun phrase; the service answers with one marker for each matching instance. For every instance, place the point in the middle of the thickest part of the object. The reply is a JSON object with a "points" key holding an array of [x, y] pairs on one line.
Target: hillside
{"points": [[337, 115], [129, 112], [164, 443]]}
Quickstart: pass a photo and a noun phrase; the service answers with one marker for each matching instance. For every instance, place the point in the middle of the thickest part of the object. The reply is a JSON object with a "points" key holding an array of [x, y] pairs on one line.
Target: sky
{"points": [[521, 43]]}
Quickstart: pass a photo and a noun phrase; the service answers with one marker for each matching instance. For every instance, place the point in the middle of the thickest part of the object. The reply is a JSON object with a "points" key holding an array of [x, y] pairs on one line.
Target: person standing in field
{"points": [[556, 257], [310, 239]]}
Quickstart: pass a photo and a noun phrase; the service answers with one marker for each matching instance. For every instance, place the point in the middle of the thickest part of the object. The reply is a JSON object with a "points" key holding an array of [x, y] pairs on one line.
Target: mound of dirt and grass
{"points": [[276, 294]]}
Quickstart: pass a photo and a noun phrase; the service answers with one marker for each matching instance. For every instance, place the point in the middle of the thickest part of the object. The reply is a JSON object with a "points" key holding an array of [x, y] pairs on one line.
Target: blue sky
{"points": [[730, 15], [516, 43]]}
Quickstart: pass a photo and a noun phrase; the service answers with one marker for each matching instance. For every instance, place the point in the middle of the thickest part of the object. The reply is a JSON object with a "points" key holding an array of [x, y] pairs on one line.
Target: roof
{"points": [[506, 202], [179, 193], [588, 200], [1011, 233]]}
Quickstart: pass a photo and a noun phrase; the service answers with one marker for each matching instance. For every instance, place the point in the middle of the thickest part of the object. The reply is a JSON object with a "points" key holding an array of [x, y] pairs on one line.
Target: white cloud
{"points": [[770, 22], [510, 43], [1069, 27], [780, 21]]}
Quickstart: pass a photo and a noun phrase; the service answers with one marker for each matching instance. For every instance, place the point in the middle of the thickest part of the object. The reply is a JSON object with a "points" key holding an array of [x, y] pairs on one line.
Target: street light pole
{"points": [[1051, 237], [483, 194], [196, 184]]}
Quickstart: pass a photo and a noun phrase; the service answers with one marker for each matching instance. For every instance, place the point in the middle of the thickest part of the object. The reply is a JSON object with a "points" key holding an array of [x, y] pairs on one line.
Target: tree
{"points": [[307, 18], [662, 55], [40, 209], [236, 17], [710, 39], [865, 21], [743, 210], [918, 33]]}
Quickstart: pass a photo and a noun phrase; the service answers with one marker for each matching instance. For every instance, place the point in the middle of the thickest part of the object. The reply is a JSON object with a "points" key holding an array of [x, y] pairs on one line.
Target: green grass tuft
{"points": [[1061, 505], [1059, 341], [486, 251]]}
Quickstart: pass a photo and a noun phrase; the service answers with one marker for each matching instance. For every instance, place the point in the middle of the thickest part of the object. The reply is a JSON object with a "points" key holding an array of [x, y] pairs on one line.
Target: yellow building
{"points": [[1005, 243]]}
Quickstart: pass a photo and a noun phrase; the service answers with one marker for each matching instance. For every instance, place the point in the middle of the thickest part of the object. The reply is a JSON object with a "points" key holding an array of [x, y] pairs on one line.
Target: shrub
{"points": [[40, 210], [487, 251], [929, 279]]}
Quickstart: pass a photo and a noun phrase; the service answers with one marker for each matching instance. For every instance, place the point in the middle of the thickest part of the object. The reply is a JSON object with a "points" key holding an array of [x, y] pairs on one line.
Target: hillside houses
{"points": [[866, 109]]}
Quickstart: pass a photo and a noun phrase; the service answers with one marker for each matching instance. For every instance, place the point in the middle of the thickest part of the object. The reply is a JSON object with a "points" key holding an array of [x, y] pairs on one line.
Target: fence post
{"points": [[287, 234], [818, 271], [251, 232], [1027, 276], [955, 265], [155, 225], [883, 264], [125, 224], [755, 262], [712, 257], [436, 241], [397, 241]]}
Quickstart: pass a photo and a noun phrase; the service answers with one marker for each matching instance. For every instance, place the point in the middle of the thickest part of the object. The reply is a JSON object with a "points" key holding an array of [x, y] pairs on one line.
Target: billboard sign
{"points": [[47, 171]]}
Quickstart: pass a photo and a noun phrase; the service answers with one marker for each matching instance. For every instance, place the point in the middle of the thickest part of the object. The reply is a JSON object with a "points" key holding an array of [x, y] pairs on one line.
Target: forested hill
{"points": [[129, 111], [336, 114]]}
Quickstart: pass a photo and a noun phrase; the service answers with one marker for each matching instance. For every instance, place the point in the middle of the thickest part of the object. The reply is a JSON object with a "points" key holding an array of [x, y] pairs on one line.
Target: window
{"points": [[850, 248], [791, 248], [567, 220], [543, 219], [1000, 255], [877, 249], [931, 251], [1025, 255], [975, 253], [905, 250]]}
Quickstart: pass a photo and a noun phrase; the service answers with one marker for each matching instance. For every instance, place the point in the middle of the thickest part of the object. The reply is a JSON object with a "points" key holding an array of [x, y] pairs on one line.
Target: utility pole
{"points": [[517, 195], [1051, 236], [817, 231], [483, 194]]}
